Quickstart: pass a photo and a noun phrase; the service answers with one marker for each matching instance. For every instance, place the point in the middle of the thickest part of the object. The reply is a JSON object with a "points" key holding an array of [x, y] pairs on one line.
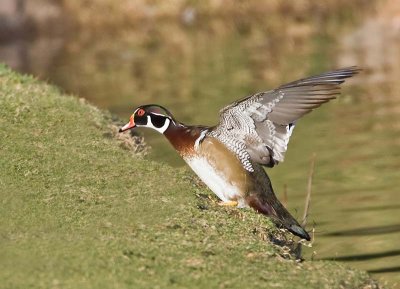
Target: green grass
{"points": [[80, 211]]}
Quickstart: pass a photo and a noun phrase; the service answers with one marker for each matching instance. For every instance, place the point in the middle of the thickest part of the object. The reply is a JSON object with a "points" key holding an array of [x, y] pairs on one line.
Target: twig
{"points": [[298, 249], [309, 185], [285, 196]]}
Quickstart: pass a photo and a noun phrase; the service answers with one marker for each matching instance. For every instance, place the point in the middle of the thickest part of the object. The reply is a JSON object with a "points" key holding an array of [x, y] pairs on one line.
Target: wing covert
{"points": [[263, 123]]}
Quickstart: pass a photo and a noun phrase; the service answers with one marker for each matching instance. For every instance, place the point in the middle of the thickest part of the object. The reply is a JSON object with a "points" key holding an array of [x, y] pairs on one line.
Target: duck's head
{"points": [[152, 116]]}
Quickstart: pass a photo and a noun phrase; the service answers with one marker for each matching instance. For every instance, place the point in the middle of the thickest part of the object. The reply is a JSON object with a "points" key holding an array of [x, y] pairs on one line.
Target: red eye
{"points": [[140, 112]]}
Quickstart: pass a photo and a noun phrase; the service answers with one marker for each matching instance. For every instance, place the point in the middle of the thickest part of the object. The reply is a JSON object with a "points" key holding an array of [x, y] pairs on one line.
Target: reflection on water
{"points": [[366, 256], [367, 231], [195, 70], [386, 270]]}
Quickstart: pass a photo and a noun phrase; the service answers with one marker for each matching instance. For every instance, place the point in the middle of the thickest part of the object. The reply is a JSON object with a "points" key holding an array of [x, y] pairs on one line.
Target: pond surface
{"points": [[196, 69]]}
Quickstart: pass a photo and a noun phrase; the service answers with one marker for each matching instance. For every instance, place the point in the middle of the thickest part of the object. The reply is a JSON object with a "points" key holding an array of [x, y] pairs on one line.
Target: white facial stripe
{"points": [[157, 114]]}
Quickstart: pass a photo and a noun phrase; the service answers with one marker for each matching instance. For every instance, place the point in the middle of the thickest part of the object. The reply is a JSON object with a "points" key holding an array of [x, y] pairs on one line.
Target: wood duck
{"points": [[252, 132]]}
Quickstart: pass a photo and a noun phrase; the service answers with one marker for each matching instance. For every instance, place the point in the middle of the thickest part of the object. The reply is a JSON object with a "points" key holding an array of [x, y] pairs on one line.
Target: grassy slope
{"points": [[78, 211]]}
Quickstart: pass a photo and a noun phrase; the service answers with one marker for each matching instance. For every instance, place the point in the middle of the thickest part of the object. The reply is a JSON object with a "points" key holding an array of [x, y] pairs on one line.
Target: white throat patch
{"points": [[159, 129]]}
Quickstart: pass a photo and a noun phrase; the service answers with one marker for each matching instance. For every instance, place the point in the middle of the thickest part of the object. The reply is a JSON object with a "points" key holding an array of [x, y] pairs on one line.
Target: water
{"points": [[197, 69]]}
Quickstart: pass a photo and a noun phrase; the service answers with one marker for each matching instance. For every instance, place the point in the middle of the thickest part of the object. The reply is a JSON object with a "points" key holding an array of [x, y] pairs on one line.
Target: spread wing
{"points": [[258, 127]]}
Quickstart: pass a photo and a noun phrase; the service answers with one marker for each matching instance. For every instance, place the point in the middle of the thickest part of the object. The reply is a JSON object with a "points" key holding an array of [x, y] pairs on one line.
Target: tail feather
{"points": [[274, 209], [287, 220], [264, 201], [299, 231]]}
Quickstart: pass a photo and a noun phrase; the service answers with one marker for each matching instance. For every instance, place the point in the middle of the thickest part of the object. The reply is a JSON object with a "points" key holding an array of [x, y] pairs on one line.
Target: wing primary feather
{"points": [[336, 76]]}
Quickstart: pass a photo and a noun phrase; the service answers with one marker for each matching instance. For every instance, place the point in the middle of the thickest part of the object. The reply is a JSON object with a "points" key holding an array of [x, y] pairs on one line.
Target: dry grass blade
{"points": [[285, 196], [309, 186], [298, 250]]}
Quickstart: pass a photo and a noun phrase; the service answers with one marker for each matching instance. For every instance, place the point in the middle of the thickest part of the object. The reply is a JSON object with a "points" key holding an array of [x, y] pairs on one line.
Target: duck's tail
{"points": [[297, 230], [271, 207], [265, 202]]}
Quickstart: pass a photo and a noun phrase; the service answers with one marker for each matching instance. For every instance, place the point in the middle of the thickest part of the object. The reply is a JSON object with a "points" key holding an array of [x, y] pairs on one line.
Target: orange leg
{"points": [[228, 204]]}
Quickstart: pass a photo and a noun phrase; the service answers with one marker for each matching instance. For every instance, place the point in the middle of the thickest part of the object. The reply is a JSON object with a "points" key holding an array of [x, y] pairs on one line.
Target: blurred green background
{"points": [[194, 57]]}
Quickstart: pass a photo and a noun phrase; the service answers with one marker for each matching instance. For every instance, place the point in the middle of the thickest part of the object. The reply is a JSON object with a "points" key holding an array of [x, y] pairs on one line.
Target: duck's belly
{"points": [[220, 170], [216, 181]]}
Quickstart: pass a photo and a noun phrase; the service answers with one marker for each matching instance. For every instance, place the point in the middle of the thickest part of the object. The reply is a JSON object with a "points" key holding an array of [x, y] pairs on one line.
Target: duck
{"points": [[252, 134]]}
